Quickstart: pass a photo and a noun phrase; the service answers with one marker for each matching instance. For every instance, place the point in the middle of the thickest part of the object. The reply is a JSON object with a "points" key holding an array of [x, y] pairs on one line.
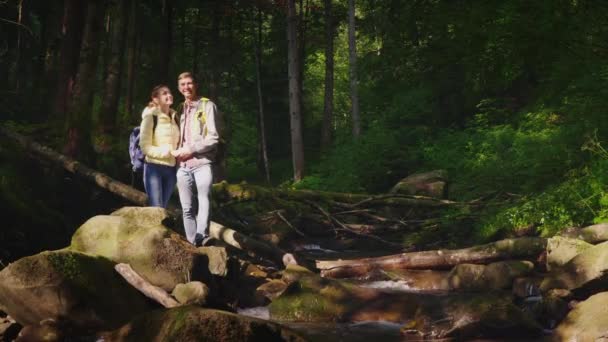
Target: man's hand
{"points": [[182, 153]]}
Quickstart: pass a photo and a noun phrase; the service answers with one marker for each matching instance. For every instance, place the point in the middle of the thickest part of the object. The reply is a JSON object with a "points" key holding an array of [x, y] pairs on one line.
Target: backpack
{"points": [[135, 152]]}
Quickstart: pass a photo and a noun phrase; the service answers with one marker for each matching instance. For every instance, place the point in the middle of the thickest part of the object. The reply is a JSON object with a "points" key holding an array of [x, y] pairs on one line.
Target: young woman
{"points": [[159, 136]]}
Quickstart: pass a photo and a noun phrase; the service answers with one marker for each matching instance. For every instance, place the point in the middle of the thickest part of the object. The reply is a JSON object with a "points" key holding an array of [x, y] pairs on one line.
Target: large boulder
{"points": [[82, 290], [561, 249], [588, 321], [190, 323], [138, 237], [432, 184], [584, 274]]}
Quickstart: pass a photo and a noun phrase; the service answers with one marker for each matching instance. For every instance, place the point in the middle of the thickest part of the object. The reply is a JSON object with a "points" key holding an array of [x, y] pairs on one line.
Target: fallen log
{"points": [[518, 248], [151, 291], [102, 180], [229, 236]]}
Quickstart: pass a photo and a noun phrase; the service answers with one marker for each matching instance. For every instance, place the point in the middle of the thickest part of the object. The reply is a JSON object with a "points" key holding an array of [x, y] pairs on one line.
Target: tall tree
{"points": [[295, 96], [262, 148], [46, 66], [71, 33], [352, 58], [119, 14], [166, 41], [79, 112], [328, 104], [131, 58], [22, 21], [214, 49]]}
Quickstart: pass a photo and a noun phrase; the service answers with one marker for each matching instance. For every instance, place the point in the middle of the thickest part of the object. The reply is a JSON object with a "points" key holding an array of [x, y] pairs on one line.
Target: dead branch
{"points": [[154, 292]]}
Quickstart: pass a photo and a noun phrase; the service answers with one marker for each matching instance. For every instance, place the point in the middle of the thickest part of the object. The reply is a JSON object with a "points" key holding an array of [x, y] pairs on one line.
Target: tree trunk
{"points": [[262, 149], [439, 259], [131, 51], [19, 65], [71, 31], [48, 60], [166, 42], [214, 49], [328, 106], [109, 106], [352, 57], [295, 97], [79, 113]]}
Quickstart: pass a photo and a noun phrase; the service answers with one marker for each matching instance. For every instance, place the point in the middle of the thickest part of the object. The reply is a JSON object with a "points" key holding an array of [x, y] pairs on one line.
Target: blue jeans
{"points": [[159, 182], [194, 187]]}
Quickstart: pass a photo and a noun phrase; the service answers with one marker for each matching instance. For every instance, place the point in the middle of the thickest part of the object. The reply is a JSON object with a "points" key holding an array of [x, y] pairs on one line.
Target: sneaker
{"points": [[198, 240]]}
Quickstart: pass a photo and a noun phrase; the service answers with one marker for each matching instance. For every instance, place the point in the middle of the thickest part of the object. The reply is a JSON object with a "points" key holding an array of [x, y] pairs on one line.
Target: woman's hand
{"points": [[165, 150], [182, 153]]}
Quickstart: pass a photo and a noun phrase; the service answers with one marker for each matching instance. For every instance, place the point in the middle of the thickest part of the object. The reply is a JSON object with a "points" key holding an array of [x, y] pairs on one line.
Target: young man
{"points": [[198, 145]]}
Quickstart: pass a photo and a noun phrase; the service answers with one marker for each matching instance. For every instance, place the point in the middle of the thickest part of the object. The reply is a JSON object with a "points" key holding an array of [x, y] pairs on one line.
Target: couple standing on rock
{"points": [[189, 144]]}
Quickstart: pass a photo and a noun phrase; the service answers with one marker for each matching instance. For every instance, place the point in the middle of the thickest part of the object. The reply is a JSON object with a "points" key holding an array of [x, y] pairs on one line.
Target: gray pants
{"points": [[194, 187]]}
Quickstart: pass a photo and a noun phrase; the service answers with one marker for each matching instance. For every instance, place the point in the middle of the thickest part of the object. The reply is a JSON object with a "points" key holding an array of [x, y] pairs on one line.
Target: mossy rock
{"points": [[586, 273], [588, 321], [432, 184], [80, 289], [190, 323], [137, 236], [498, 275]]}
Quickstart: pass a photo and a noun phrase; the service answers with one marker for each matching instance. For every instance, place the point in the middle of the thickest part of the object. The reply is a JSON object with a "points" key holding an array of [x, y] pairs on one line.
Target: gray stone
{"points": [[560, 250], [586, 272], [218, 259], [588, 321]]}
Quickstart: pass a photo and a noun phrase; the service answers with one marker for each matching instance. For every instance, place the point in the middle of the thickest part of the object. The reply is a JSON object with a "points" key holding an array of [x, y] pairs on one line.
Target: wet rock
{"points": [[193, 292], [272, 289], [309, 298], [190, 323], [218, 260], [498, 275], [588, 321], [432, 184], [586, 273], [550, 310], [137, 236], [560, 250], [68, 286], [252, 270], [471, 316]]}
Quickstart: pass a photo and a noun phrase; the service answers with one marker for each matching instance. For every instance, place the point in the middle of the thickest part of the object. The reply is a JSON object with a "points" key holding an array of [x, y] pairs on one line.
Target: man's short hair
{"points": [[185, 75]]}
